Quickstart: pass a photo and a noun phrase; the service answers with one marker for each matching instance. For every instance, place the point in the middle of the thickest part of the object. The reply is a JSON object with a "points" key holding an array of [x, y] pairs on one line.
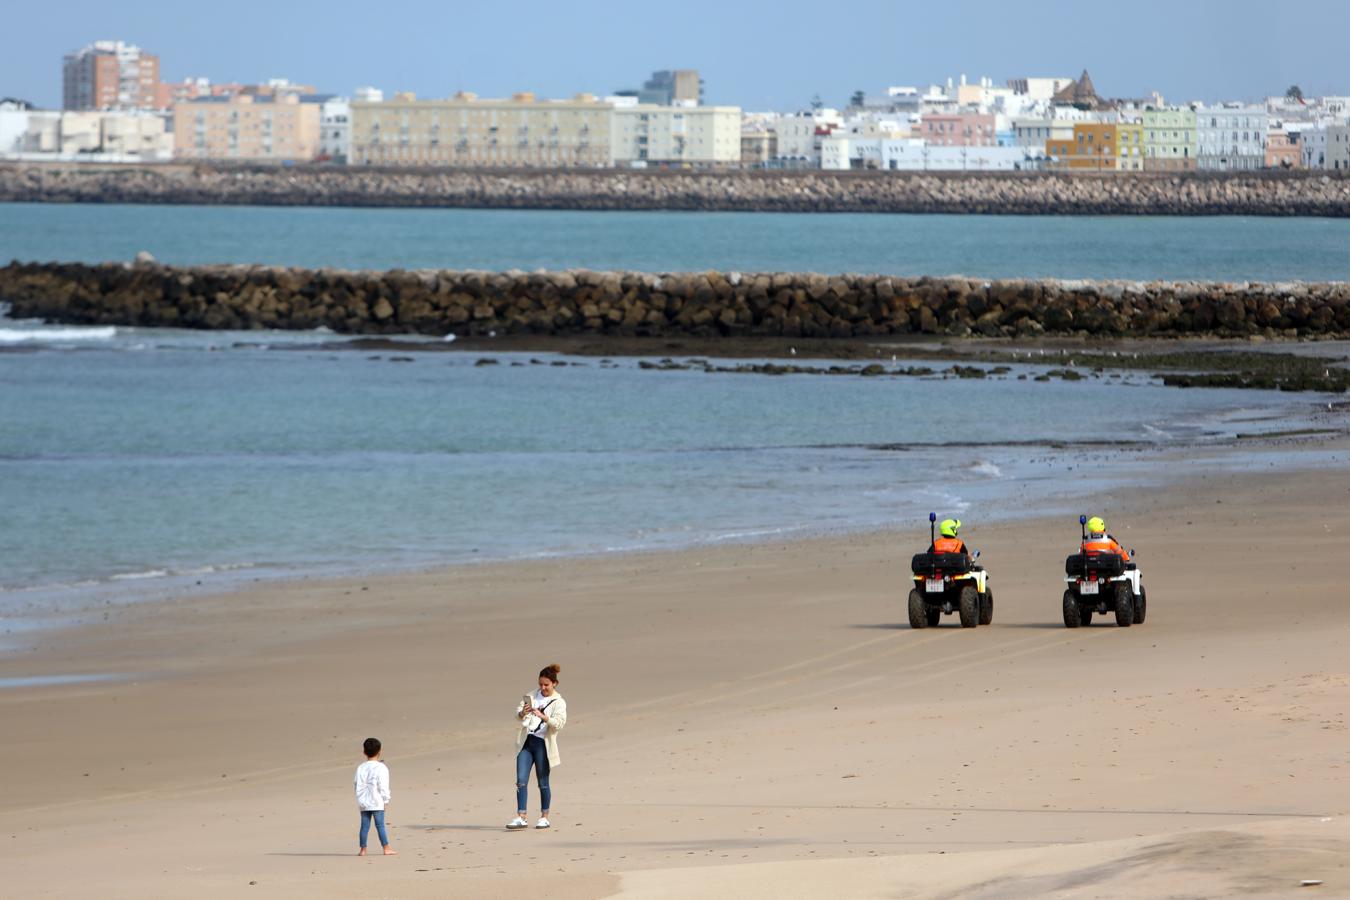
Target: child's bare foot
{"points": [[389, 851], [362, 852]]}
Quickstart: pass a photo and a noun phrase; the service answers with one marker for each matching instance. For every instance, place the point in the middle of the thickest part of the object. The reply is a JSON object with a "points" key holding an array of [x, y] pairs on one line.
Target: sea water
{"points": [[134, 461], [1224, 248]]}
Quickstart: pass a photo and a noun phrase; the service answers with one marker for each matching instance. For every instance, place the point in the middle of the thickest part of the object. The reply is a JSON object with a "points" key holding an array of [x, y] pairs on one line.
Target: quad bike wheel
{"points": [[918, 612], [934, 616], [987, 608], [1086, 615], [1072, 616], [1124, 604], [970, 606], [1140, 606]]}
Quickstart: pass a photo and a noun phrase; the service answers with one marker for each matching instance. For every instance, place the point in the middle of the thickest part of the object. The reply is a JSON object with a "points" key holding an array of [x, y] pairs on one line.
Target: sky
{"points": [[756, 55]]}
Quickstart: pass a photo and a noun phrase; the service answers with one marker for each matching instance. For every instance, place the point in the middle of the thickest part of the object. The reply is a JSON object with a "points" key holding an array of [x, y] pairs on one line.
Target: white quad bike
{"points": [[1102, 583], [946, 583]]}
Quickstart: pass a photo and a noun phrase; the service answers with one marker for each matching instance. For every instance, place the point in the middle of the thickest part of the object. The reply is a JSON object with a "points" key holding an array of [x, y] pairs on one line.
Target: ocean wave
{"points": [[57, 334], [138, 576], [985, 467]]}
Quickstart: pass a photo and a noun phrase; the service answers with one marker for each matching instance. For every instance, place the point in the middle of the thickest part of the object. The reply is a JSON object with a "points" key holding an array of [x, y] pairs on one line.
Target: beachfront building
{"points": [[1130, 147], [758, 147], [1282, 149], [1231, 138], [908, 154], [1169, 139], [109, 75], [800, 136], [335, 130], [464, 130], [959, 129], [703, 136], [1338, 148], [84, 135], [1312, 146], [245, 127], [1092, 147]]}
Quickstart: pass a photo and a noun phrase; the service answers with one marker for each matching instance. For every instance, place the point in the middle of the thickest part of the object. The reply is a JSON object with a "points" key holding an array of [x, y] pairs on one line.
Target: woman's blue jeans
{"points": [[378, 816], [534, 753]]}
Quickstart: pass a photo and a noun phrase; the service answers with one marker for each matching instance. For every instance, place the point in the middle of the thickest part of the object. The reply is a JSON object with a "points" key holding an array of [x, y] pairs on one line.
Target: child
{"points": [[372, 793]]}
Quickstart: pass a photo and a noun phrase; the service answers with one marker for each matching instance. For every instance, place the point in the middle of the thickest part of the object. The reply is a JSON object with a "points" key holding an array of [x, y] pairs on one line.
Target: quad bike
{"points": [[945, 583], [1102, 583]]}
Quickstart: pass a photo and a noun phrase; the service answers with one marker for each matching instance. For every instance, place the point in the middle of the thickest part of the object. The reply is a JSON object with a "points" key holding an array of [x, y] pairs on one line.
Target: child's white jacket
{"points": [[556, 717], [372, 785]]}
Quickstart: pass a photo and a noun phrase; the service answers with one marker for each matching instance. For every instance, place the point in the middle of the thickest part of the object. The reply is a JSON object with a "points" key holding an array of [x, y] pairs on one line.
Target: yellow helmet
{"points": [[1096, 525], [950, 527]]}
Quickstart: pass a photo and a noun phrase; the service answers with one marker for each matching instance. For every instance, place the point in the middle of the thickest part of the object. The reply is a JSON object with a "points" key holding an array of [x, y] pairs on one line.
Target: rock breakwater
{"points": [[703, 304], [1262, 193]]}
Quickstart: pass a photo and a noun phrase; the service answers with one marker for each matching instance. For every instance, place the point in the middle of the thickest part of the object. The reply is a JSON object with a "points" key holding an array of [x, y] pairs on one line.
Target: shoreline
{"points": [[70, 606], [1209, 716]]}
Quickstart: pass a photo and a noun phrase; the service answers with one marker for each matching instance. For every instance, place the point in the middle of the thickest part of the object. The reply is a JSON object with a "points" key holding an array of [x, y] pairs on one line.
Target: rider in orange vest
{"points": [[949, 542], [1098, 541]]}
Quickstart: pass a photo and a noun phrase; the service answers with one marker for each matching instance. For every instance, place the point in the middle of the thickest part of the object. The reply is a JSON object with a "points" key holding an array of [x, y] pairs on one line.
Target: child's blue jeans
{"points": [[535, 754], [378, 815]]}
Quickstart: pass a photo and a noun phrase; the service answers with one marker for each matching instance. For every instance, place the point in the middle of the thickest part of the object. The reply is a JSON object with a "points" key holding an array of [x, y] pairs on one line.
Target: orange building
{"points": [[1283, 150], [1093, 147], [109, 75]]}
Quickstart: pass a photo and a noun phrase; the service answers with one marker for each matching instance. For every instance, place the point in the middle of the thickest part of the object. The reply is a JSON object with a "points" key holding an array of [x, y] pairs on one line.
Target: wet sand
{"points": [[744, 721]]}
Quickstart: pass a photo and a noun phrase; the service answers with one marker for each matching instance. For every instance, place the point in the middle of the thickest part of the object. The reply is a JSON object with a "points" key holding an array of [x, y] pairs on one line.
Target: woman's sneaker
{"points": [[516, 823], [542, 823]]}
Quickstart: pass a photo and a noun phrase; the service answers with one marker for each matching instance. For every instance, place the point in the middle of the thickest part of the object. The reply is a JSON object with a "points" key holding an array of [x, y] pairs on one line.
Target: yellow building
{"points": [[466, 131], [1130, 147], [277, 128]]}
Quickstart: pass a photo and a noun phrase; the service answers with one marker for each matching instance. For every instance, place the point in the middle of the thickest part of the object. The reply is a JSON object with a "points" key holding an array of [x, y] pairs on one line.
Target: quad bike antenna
{"points": [[1082, 523], [932, 535]]}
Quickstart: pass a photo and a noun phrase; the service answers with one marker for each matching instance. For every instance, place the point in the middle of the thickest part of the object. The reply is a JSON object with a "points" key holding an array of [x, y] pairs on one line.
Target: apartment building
{"points": [[464, 130], [959, 129], [277, 128], [800, 136], [700, 136], [1231, 138], [758, 147], [1169, 140], [901, 154], [109, 75], [88, 135]]}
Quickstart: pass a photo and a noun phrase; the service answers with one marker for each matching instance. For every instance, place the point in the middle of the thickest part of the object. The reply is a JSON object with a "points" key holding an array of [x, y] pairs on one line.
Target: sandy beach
{"points": [[748, 721]]}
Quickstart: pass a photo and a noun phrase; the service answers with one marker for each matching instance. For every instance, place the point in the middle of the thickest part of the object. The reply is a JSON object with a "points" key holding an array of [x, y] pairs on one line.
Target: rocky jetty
{"points": [[1260, 193], [635, 304]]}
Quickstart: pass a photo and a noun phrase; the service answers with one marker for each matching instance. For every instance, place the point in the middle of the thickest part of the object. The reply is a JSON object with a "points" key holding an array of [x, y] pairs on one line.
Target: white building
{"points": [[1338, 148], [800, 136], [335, 130], [1231, 138], [1039, 90], [643, 134], [95, 136], [1312, 143], [913, 155]]}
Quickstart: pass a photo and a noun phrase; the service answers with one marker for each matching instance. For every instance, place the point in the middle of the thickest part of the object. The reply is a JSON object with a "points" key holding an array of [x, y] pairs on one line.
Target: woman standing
{"points": [[542, 714]]}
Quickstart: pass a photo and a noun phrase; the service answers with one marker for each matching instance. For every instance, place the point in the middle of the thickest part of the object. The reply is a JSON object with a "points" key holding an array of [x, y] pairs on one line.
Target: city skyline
{"points": [[1207, 51]]}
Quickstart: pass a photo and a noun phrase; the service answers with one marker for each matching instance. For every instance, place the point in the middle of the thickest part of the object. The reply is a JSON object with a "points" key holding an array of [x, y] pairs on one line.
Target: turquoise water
{"points": [[135, 461], [1225, 248]]}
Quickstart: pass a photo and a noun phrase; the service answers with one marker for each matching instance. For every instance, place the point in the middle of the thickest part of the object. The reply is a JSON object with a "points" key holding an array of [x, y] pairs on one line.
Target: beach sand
{"points": [[745, 721]]}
